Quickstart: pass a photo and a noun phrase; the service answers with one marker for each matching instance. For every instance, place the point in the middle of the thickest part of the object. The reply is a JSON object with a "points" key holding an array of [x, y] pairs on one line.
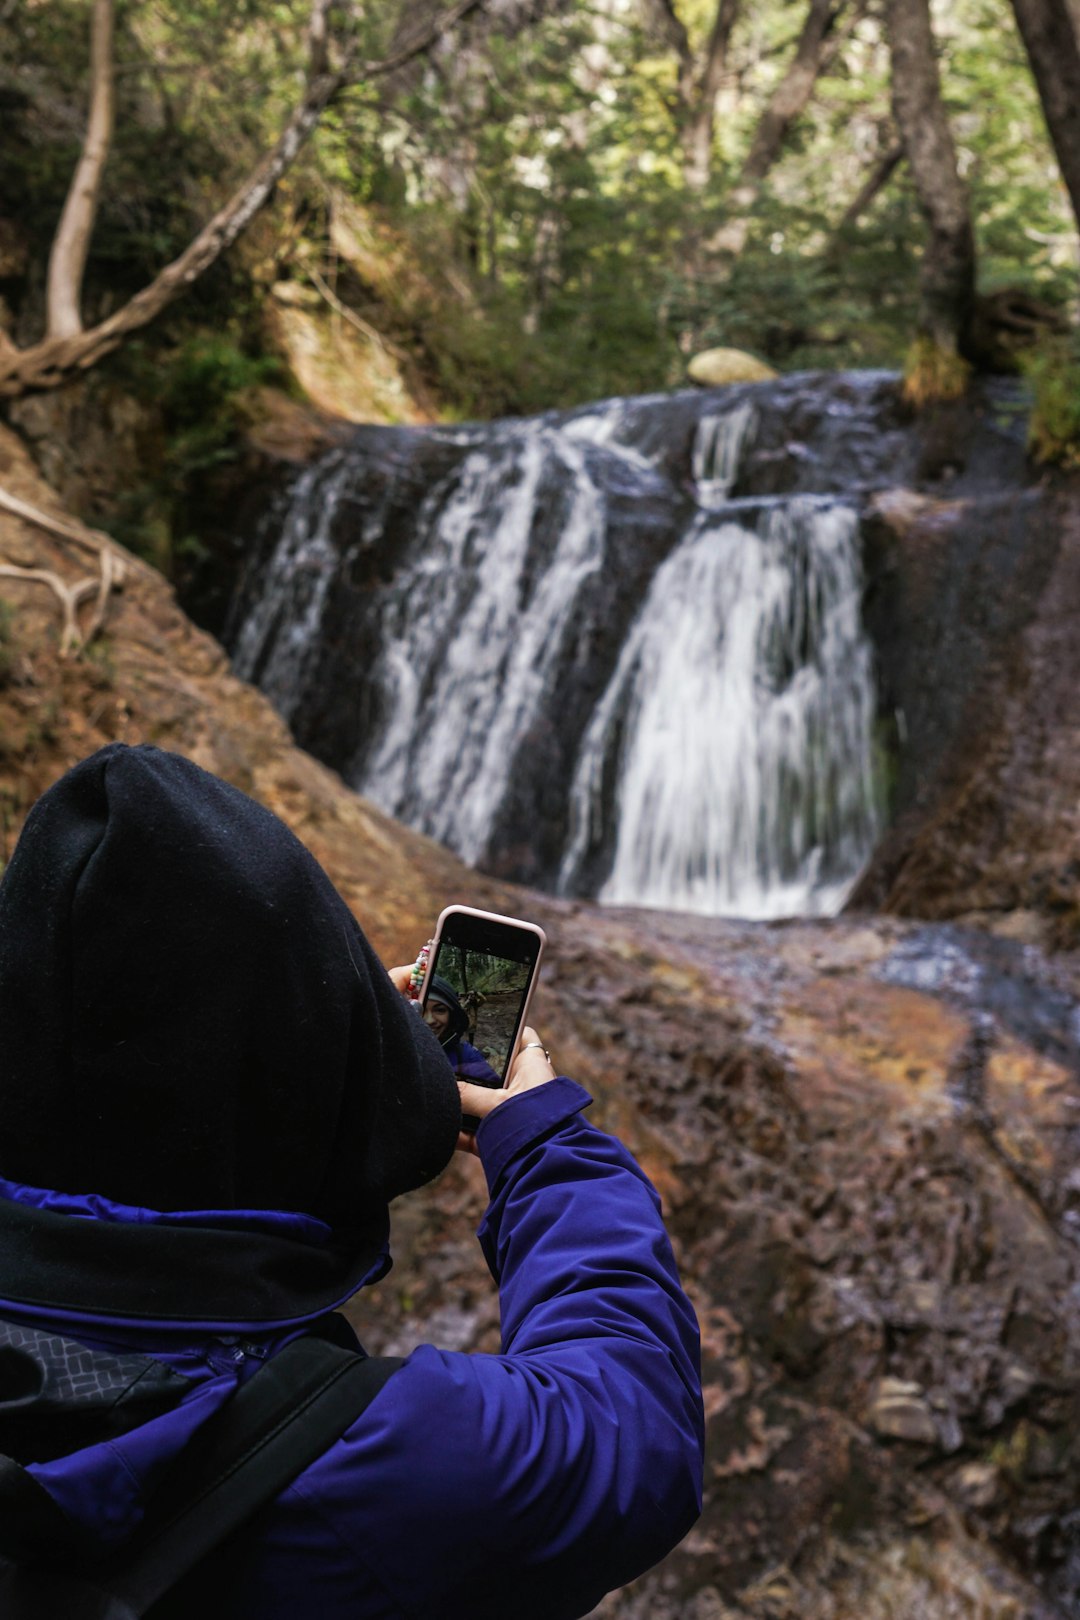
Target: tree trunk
{"points": [[698, 83], [700, 111], [789, 100], [71, 244], [1049, 29], [947, 280]]}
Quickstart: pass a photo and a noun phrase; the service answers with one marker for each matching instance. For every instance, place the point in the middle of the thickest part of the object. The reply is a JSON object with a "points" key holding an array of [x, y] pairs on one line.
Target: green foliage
{"points": [[1053, 369], [200, 391]]}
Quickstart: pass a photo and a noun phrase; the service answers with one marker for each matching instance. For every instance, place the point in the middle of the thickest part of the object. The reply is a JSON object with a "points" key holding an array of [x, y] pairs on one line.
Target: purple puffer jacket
{"points": [[527, 1483], [468, 1063]]}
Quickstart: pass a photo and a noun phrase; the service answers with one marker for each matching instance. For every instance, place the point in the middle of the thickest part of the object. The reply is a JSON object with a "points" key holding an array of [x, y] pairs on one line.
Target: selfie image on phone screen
{"points": [[476, 991]]}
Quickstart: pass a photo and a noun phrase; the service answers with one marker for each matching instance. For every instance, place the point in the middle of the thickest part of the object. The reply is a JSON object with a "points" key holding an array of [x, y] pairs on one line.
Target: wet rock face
{"points": [[973, 607]]}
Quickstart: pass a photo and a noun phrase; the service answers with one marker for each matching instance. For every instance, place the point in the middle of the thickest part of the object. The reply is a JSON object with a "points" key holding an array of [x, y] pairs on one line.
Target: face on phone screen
{"points": [[483, 1008]]}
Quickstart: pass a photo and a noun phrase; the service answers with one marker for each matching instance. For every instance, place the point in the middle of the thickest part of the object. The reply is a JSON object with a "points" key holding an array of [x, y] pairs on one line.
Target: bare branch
{"points": [[675, 34], [319, 38], [727, 12], [424, 42], [700, 114], [112, 570], [49, 363], [347, 314], [112, 573], [867, 193], [787, 103], [71, 244]]}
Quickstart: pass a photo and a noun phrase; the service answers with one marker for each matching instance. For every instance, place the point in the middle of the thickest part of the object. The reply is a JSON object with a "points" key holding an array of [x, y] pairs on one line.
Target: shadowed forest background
{"points": [[548, 204], [323, 328]]}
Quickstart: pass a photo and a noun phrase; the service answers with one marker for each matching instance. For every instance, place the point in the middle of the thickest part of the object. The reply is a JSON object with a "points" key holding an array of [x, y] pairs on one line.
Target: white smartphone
{"points": [[481, 971]]}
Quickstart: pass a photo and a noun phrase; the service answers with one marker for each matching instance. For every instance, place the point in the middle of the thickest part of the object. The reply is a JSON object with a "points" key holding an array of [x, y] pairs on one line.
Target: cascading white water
{"points": [[718, 445], [470, 633], [741, 711], [296, 585]]}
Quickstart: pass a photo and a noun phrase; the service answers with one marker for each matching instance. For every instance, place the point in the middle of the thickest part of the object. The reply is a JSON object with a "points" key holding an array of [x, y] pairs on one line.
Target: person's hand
{"points": [[531, 1067]]}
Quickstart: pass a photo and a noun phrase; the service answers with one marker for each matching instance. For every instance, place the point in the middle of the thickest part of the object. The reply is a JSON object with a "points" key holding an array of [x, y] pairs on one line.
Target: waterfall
{"points": [[738, 722], [279, 637], [561, 647], [471, 631], [718, 447]]}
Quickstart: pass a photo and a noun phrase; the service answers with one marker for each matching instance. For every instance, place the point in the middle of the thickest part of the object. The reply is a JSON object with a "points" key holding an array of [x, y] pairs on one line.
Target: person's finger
{"points": [[531, 1066], [400, 976], [479, 1100]]}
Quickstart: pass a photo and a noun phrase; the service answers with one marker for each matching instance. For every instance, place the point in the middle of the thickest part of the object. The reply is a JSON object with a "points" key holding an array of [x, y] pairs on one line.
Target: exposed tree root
{"points": [[111, 572]]}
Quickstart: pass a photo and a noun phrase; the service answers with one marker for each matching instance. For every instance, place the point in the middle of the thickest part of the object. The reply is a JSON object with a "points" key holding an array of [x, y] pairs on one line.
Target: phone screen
{"points": [[476, 991]]}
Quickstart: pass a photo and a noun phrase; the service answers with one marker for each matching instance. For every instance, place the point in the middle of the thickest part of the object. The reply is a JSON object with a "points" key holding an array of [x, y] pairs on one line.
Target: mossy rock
{"points": [[713, 368]]}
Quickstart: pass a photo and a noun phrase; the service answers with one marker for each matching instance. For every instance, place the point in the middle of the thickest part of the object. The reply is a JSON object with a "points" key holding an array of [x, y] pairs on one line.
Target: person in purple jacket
{"points": [[447, 1019], [210, 1092]]}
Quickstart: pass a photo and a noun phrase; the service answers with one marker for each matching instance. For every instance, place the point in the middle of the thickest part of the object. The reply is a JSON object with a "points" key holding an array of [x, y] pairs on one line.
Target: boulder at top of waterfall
{"points": [[712, 368]]}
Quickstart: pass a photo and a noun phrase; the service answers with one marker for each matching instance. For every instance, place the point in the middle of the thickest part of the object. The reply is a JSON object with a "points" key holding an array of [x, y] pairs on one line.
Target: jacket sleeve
{"points": [[534, 1481]]}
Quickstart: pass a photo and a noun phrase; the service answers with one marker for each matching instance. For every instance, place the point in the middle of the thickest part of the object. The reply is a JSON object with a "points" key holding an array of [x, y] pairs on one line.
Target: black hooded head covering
{"points": [[442, 990], [191, 1019]]}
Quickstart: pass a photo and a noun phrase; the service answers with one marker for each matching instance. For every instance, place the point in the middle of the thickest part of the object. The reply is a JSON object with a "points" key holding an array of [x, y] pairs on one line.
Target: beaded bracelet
{"points": [[416, 977]]}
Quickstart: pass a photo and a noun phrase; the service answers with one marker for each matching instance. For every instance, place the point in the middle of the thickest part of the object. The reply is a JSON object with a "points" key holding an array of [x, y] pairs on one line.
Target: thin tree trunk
{"points": [[700, 111], [674, 30], [1049, 29], [71, 244], [788, 101], [947, 281], [868, 193], [51, 362], [698, 83]]}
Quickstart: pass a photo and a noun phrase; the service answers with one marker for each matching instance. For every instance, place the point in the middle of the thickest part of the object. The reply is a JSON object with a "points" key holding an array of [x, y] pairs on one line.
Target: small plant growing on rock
{"points": [[933, 374], [1053, 369]]}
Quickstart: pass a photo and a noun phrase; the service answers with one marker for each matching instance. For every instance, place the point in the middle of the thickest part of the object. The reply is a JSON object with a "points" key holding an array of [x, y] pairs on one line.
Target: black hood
{"points": [[191, 1018]]}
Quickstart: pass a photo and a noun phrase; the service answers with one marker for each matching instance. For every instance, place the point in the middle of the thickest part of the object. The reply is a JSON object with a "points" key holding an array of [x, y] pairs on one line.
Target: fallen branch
{"points": [[326, 291], [112, 573]]}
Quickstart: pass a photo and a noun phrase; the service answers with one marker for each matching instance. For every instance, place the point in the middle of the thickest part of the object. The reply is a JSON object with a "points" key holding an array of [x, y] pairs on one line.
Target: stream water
{"points": [[588, 650]]}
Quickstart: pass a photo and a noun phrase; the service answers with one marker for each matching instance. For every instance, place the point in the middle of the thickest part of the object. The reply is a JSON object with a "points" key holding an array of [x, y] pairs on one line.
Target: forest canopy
{"points": [[562, 199]]}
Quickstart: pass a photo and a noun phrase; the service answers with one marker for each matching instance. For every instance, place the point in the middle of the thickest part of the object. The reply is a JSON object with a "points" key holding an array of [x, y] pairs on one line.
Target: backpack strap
{"points": [[274, 1427]]}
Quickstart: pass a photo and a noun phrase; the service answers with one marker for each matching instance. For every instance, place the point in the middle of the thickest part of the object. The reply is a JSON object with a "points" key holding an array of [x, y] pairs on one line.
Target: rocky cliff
{"points": [[865, 1132], [976, 611]]}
